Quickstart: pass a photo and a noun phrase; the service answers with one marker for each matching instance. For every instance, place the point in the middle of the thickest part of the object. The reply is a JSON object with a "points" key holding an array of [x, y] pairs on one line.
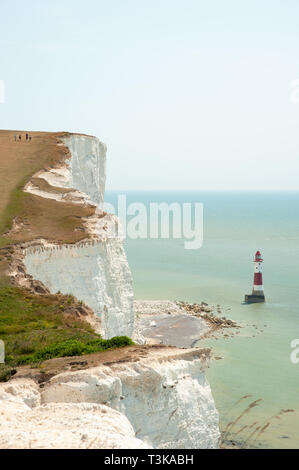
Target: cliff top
{"points": [[111, 358], [31, 325], [25, 216]]}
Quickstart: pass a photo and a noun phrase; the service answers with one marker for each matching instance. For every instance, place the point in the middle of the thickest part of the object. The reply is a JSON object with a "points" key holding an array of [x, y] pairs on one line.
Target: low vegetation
{"points": [[73, 347], [6, 372], [36, 328]]}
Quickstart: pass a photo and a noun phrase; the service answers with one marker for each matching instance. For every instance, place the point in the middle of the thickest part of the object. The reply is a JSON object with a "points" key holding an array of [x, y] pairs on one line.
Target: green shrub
{"points": [[35, 328], [6, 372], [74, 347]]}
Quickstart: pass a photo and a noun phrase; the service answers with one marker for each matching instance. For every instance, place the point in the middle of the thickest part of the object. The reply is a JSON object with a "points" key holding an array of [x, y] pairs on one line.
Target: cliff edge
{"points": [[155, 397], [64, 285], [59, 232]]}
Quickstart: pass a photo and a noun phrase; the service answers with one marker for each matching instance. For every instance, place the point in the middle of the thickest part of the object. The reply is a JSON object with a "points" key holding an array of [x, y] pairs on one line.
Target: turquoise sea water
{"points": [[257, 361]]}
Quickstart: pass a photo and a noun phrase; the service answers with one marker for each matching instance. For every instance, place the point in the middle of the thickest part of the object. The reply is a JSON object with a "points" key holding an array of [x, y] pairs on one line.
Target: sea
{"points": [[255, 384]]}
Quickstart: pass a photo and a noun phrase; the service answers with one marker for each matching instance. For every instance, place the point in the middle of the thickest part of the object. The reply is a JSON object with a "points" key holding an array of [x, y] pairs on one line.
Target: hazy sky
{"points": [[187, 94]]}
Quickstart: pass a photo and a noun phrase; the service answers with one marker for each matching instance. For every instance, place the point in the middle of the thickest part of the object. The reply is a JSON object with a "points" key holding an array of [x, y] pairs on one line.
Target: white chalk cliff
{"points": [[96, 271], [161, 401], [25, 423]]}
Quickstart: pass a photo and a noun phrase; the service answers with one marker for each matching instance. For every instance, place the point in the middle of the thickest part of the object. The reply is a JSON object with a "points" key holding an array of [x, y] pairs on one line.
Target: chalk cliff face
{"points": [[95, 271], [161, 401], [25, 423], [87, 166], [98, 274]]}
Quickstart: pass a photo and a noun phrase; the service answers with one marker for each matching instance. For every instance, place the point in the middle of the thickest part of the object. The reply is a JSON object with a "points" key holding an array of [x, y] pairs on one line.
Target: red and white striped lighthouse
{"points": [[258, 288]]}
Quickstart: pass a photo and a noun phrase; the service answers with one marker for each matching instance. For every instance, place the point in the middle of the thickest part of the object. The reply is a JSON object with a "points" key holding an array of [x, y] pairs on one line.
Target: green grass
{"points": [[4, 241], [36, 328], [14, 207], [73, 347], [6, 372]]}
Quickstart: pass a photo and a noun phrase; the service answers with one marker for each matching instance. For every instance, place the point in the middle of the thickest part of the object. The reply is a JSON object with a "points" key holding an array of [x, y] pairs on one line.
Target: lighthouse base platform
{"points": [[254, 299]]}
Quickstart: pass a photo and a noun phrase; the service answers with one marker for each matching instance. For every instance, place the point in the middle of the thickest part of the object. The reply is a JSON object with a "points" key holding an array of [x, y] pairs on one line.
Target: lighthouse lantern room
{"points": [[258, 288]]}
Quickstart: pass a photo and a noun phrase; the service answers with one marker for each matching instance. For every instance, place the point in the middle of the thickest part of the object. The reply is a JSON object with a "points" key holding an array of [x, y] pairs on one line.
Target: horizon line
{"points": [[208, 190]]}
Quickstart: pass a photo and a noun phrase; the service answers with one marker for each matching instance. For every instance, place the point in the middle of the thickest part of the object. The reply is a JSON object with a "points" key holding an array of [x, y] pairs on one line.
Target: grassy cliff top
{"points": [[38, 217], [38, 327]]}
